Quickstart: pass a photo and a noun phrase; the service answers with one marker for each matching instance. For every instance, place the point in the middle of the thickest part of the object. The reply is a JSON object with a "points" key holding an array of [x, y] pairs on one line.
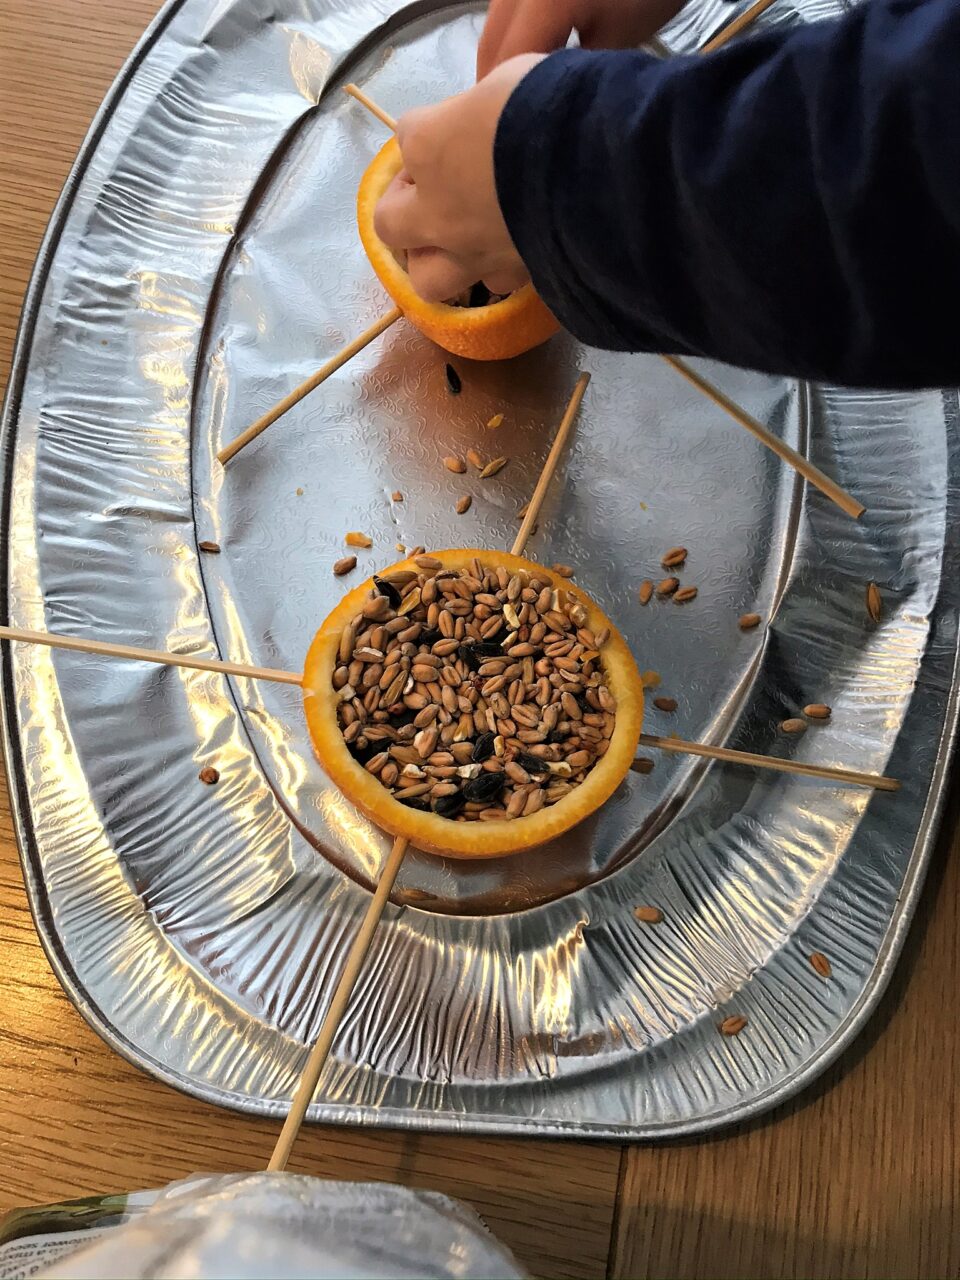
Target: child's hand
{"points": [[542, 26], [442, 208]]}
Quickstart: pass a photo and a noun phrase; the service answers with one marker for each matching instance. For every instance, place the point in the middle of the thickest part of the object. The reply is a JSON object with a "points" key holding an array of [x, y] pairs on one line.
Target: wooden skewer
{"points": [[341, 997], [356, 92], [736, 26], [550, 466], [847, 776], [796, 460], [160, 656], [311, 384]]}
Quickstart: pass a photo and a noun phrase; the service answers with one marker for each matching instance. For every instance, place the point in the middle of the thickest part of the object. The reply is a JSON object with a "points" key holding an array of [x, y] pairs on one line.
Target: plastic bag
{"points": [[256, 1226]]}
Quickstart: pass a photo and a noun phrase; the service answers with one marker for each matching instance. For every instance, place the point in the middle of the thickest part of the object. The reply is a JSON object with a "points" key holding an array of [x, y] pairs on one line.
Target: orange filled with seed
{"points": [[473, 702]]}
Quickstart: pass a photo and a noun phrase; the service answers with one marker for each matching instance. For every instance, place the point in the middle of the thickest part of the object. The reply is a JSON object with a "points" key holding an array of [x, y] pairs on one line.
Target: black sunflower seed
{"points": [[555, 737], [484, 787], [449, 806], [431, 635], [488, 649], [389, 590], [453, 380], [365, 753], [582, 702], [403, 719], [468, 652], [533, 764], [483, 747], [415, 802]]}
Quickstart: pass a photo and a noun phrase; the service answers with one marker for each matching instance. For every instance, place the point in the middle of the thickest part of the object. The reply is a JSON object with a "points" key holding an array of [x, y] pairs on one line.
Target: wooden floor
{"points": [[859, 1178]]}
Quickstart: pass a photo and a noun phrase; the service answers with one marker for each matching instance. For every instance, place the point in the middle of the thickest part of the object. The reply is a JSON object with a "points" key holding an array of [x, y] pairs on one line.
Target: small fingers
{"points": [[506, 279], [399, 218], [523, 26], [436, 275], [626, 26]]}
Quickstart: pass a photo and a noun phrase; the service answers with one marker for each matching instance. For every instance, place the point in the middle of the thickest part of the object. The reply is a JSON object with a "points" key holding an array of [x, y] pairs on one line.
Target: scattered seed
{"points": [[299, 493], [749, 621], [211, 548], [492, 468], [793, 725], [874, 602], [454, 464], [209, 775], [817, 711], [685, 595], [397, 495], [474, 459], [345, 565], [642, 764], [453, 380], [665, 704], [733, 1025], [646, 591], [562, 570], [668, 586], [495, 421], [648, 915], [674, 558], [821, 964], [464, 504]]}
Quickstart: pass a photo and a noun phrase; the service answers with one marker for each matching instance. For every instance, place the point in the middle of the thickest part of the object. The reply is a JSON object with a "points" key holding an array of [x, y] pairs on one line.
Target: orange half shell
{"points": [[495, 332], [439, 835]]}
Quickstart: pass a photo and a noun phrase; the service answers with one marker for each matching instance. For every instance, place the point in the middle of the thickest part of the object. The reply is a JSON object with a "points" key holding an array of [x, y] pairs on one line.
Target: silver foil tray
{"points": [[202, 261]]}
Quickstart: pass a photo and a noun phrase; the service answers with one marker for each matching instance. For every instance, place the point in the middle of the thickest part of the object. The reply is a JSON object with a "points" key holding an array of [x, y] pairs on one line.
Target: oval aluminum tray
{"points": [[202, 261]]}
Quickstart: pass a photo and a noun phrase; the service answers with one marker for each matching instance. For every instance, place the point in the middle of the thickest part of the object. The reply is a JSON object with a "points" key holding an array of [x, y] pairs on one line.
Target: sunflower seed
{"points": [[464, 504], [874, 602], [345, 565], [748, 621]]}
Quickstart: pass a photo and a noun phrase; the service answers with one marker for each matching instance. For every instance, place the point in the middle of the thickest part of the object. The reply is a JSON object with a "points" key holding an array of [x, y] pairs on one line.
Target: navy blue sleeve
{"points": [[790, 203]]}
